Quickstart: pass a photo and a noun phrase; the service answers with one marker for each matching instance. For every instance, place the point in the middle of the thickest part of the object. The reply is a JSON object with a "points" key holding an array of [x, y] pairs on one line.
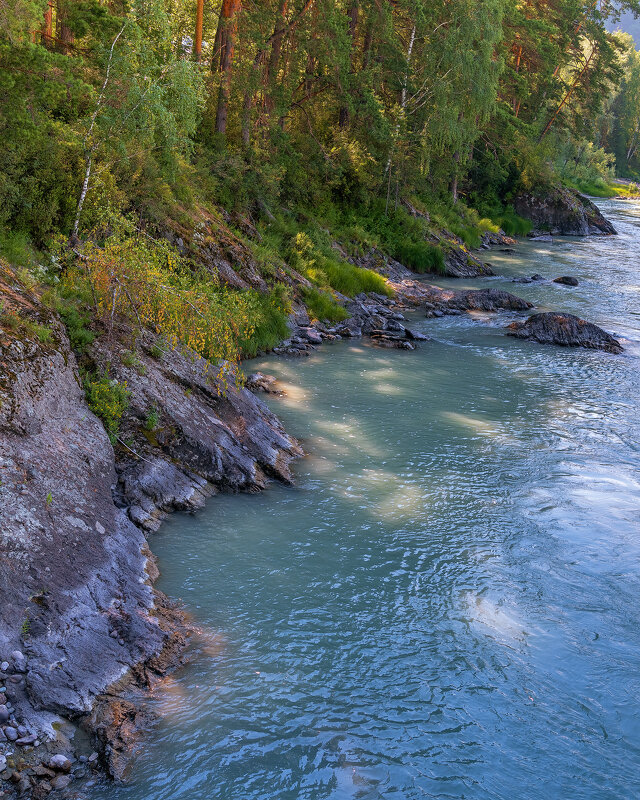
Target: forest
{"points": [[312, 121]]}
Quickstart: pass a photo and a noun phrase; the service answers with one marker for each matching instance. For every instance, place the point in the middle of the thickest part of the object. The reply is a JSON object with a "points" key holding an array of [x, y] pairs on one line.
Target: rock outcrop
{"points": [[564, 212], [566, 330]]}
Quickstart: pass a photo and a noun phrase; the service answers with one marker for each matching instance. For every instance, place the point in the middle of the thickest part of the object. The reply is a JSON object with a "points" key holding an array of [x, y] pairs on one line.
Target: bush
{"points": [[108, 399], [149, 284]]}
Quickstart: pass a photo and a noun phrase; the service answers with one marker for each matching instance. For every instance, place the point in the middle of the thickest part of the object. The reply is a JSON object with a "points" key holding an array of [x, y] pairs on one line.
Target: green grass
{"points": [[602, 188], [270, 315], [513, 224], [323, 307], [419, 256], [17, 249]]}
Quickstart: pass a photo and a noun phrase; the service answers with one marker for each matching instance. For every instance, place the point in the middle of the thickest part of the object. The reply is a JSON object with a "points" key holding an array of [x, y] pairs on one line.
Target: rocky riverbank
{"points": [[81, 623], [80, 615]]}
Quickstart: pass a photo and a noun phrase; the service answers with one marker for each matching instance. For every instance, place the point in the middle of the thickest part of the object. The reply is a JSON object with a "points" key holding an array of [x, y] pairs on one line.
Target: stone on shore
{"points": [[565, 330]]}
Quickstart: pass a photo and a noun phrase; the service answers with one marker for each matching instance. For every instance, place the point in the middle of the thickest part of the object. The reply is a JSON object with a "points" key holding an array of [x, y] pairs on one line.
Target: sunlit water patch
{"points": [[446, 606]]}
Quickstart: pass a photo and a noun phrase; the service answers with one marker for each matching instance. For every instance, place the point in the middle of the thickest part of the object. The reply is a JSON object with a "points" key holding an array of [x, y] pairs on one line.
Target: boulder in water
{"points": [[449, 301], [566, 280], [566, 330]]}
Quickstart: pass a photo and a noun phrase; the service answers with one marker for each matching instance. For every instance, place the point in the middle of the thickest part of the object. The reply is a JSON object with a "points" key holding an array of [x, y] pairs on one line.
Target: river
{"points": [[446, 605]]}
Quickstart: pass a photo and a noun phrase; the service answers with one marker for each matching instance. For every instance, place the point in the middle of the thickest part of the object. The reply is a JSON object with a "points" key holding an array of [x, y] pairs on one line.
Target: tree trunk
{"points": [[47, 28], [343, 117], [276, 42], [225, 41], [570, 91], [199, 16], [64, 33]]}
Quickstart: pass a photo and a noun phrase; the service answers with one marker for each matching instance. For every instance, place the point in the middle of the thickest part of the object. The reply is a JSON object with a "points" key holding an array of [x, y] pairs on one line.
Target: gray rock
{"points": [[22, 731], [60, 782], [448, 301], [4, 666], [23, 741], [60, 763], [416, 335], [563, 211], [566, 330], [4, 714], [11, 733], [566, 280], [3, 763]]}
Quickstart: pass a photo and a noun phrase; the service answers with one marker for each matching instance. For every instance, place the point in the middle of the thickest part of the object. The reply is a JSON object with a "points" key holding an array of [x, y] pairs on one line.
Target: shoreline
{"points": [[159, 489]]}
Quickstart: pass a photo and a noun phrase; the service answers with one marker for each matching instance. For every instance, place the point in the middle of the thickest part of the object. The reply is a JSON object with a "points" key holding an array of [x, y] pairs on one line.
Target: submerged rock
{"points": [[259, 382], [566, 330], [563, 211]]}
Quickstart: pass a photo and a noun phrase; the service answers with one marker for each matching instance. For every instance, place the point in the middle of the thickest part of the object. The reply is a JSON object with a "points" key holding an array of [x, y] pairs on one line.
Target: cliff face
{"points": [[72, 568], [77, 599], [564, 212]]}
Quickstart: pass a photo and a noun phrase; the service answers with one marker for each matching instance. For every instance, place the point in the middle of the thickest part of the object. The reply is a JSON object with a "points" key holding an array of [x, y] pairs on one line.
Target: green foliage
{"points": [[270, 313], [322, 306], [152, 420], [108, 399]]}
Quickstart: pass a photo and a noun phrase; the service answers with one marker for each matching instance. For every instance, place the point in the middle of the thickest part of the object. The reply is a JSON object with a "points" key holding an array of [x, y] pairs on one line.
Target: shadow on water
{"points": [[446, 604]]}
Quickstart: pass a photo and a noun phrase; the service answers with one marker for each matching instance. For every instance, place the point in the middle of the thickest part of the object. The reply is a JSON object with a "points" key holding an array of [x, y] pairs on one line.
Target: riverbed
{"points": [[446, 604]]}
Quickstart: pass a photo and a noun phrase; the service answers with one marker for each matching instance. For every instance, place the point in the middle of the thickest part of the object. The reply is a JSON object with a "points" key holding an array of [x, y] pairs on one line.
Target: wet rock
{"points": [[563, 211], [60, 763], [259, 382], [311, 335], [540, 236], [566, 330], [537, 277], [448, 301], [416, 335], [566, 280], [60, 781], [11, 733]]}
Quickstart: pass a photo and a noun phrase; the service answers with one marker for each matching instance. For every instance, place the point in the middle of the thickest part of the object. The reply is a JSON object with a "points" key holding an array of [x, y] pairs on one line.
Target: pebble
{"points": [[3, 763], [4, 714], [23, 741], [4, 666], [93, 757], [11, 733], [17, 655], [60, 763], [22, 731]]}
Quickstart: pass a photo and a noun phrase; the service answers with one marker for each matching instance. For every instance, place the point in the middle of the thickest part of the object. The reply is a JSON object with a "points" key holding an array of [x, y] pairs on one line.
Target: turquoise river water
{"points": [[447, 603]]}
